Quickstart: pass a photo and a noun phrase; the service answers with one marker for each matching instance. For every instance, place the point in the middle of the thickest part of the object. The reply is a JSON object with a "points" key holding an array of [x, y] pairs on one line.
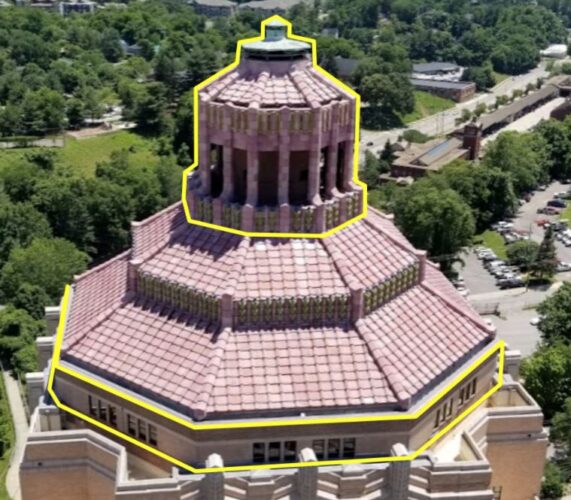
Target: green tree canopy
{"points": [[556, 315], [436, 220], [47, 263], [522, 253]]}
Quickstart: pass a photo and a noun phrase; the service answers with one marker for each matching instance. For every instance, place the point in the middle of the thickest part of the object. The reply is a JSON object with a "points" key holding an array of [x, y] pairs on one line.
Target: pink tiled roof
{"points": [[298, 88], [388, 357]]}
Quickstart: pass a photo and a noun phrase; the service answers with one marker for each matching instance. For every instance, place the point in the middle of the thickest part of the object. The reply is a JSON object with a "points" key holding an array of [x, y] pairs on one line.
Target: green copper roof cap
{"points": [[276, 45]]}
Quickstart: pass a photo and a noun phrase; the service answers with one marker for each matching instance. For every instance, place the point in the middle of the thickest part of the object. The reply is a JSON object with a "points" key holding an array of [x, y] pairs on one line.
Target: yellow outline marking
{"points": [[229, 68], [55, 365]]}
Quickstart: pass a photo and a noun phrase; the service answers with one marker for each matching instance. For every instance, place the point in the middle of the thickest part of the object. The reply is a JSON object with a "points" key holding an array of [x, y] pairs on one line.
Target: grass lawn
{"points": [[426, 104], [84, 154], [566, 214], [492, 240], [500, 77]]}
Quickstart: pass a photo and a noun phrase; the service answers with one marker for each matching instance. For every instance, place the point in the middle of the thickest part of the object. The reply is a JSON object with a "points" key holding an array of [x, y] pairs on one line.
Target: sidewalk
{"points": [[20, 433]]}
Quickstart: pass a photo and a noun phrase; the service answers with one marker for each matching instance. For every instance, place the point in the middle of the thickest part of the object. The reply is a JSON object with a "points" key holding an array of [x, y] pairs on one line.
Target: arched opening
{"points": [[240, 174], [217, 170], [268, 176], [298, 177], [323, 171], [340, 166]]}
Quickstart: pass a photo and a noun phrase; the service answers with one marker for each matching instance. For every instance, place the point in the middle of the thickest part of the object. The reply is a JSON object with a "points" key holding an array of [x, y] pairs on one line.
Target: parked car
{"points": [[553, 210], [511, 283], [542, 187], [557, 203], [563, 267], [535, 321]]}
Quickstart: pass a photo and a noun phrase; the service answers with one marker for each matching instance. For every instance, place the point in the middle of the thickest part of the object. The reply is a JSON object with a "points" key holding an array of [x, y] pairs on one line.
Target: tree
{"points": [[522, 253], [20, 223], [553, 485], [370, 173], [32, 299], [75, 112], [521, 156], [546, 263], [388, 92], [111, 45], [47, 263], [17, 330], [548, 367], [435, 220], [482, 76], [64, 201], [555, 314]]}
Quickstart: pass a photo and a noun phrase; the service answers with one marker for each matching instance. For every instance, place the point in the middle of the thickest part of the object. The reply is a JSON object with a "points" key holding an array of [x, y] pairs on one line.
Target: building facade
{"points": [[212, 362]]}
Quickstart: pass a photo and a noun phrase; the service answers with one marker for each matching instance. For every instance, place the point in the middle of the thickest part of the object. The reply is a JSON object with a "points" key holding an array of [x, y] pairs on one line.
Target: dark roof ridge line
{"points": [[376, 349], [450, 303], [350, 280], [237, 267], [200, 410], [100, 267], [394, 240]]}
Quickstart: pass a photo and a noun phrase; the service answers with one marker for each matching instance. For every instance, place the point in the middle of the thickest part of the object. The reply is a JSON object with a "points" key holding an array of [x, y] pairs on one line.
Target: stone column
{"points": [[44, 350], [314, 157], [348, 165], [35, 389], [212, 486], [253, 161], [307, 476], [204, 149], [284, 154], [399, 474], [333, 153], [228, 150]]}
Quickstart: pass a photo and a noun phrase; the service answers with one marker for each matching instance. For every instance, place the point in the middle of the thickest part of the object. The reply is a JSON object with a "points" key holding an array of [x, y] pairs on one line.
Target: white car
{"points": [[535, 321]]}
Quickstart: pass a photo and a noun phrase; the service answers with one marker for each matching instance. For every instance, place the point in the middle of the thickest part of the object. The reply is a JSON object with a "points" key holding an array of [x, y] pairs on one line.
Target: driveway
{"points": [[445, 122], [21, 432]]}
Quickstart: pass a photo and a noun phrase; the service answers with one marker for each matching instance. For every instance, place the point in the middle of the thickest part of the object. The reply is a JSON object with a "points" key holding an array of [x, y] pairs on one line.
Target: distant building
{"points": [[346, 66], [556, 51], [214, 8], [266, 7], [81, 7], [457, 91], [507, 114], [417, 160], [437, 70], [130, 50], [332, 32]]}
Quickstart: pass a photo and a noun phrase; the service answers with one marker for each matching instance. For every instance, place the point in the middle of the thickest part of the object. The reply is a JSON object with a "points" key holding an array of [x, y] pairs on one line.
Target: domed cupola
{"points": [[276, 143]]}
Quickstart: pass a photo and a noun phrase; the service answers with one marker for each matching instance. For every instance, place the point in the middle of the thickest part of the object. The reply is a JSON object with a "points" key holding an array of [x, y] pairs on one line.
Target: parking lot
{"points": [[478, 280], [515, 308]]}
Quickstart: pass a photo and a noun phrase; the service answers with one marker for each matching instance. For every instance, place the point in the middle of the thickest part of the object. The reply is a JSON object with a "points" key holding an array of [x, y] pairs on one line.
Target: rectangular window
{"points": [[290, 451], [113, 416], [152, 435], [142, 427], [437, 419], [348, 447], [102, 410], [319, 448], [461, 399], [473, 387], [131, 425], [274, 452], [333, 449], [92, 407], [259, 453], [449, 409]]}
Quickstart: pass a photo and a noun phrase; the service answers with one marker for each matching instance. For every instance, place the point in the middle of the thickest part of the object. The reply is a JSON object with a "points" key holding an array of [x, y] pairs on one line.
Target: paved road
{"points": [[445, 122], [21, 432]]}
